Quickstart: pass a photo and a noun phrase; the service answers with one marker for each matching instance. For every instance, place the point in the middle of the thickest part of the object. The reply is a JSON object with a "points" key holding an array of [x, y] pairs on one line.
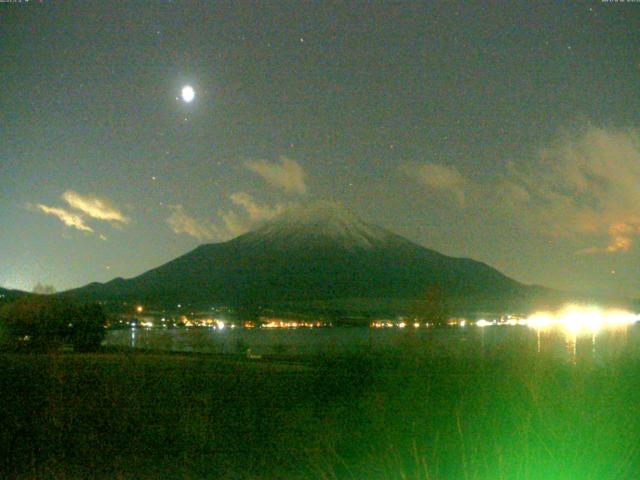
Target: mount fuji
{"points": [[317, 256]]}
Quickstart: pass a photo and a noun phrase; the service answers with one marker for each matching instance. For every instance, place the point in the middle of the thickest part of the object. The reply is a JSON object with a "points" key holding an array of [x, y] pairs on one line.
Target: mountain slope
{"points": [[318, 253], [7, 295]]}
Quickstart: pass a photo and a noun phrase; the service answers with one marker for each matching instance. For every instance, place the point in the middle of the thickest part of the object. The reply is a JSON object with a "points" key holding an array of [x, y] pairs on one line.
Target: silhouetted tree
{"points": [[45, 323], [88, 330]]}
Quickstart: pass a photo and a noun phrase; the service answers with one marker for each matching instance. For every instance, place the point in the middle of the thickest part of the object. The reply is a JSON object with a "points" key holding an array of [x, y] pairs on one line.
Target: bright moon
{"points": [[188, 93]]}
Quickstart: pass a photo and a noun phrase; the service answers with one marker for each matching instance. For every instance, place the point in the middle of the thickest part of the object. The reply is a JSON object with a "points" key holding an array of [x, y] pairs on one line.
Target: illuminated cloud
{"points": [[83, 206], [256, 212], [233, 223], [287, 175], [439, 178], [68, 218], [620, 240], [621, 236], [94, 207], [181, 223], [584, 186]]}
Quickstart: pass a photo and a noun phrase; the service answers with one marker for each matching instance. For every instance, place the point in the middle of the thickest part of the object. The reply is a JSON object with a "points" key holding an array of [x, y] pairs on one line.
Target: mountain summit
{"points": [[320, 255], [322, 223]]}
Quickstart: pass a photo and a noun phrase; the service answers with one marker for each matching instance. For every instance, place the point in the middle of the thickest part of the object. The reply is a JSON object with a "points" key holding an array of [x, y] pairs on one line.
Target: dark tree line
{"points": [[44, 323]]}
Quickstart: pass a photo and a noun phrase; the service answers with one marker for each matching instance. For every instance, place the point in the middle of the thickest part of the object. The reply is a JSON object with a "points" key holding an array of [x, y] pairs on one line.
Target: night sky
{"points": [[506, 132]]}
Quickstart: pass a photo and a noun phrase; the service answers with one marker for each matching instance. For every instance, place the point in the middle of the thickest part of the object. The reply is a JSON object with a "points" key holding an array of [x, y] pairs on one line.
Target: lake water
{"points": [[469, 340]]}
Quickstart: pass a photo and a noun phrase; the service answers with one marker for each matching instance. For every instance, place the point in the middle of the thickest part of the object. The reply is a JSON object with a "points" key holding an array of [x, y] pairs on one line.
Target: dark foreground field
{"points": [[408, 415]]}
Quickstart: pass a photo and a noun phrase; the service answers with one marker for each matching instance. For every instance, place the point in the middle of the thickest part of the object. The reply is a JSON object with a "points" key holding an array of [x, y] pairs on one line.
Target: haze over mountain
{"points": [[318, 256]]}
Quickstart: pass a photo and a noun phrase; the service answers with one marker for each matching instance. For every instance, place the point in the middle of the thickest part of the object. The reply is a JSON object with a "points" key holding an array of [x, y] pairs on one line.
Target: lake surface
{"points": [[469, 340]]}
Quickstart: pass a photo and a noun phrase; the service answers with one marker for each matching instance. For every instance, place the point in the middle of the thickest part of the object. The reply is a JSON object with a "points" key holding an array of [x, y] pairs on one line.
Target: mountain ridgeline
{"points": [[7, 296], [319, 257]]}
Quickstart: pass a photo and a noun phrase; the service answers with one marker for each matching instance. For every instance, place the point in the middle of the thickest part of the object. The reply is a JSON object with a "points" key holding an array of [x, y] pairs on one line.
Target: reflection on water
{"points": [[567, 344], [579, 321], [572, 347], [600, 344], [133, 337]]}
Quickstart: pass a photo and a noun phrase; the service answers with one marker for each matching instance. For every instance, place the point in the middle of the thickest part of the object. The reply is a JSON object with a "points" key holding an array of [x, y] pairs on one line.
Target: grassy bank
{"points": [[400, 415]]}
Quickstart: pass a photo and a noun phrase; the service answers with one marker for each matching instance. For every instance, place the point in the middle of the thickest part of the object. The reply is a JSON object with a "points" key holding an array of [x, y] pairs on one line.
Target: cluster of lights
{"points": [[510, 321], [273, 323], [382, 324], [204, 322], [576, 319], [391, 324], [572, 318]]}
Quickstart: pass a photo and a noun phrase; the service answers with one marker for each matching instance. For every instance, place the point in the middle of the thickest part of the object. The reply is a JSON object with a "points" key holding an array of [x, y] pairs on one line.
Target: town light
{"points": [[576, 319], [483, 323]]}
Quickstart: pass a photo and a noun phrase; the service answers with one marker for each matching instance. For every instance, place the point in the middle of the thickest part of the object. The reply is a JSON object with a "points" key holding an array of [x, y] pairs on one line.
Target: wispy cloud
{"points": [[621, 236], [68, 218], [257, 212], [94, 207], [584, 185], [83, 207], [286, 174], [439, 178], [254, 213], [182, 223], [232, 222]]}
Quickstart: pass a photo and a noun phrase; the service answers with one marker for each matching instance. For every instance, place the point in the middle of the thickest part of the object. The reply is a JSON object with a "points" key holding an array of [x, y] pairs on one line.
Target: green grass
{"points": [[410, 414]]}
